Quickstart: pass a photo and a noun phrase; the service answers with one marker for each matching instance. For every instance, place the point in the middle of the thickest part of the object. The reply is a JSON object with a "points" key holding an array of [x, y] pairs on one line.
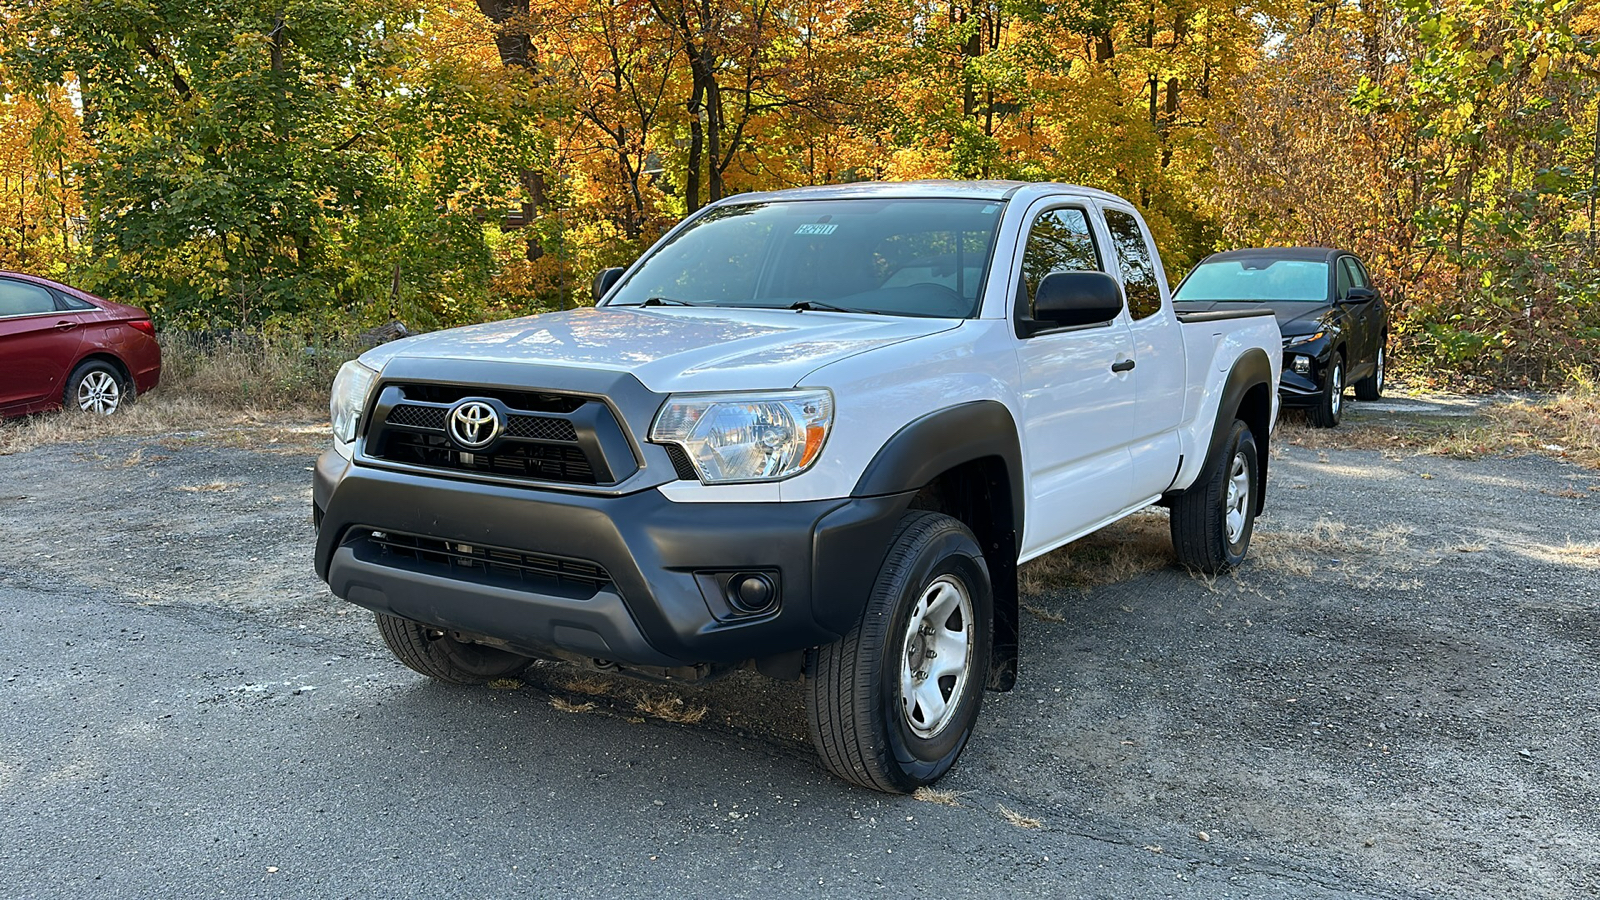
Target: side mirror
{"points": [[1077, 298], [603, 281], [1360, 295]]}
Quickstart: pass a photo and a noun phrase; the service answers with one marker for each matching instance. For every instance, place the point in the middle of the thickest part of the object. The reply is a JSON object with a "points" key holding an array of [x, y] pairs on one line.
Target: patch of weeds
{"points": [[1042, 614], [671, 709], [929, 794], [209, 487], [568, 706], [1018, 819], [590, 685]]}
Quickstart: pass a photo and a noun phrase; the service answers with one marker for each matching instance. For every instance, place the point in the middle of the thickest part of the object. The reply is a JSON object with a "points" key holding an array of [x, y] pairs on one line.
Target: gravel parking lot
{"points": [[1398, 696]]}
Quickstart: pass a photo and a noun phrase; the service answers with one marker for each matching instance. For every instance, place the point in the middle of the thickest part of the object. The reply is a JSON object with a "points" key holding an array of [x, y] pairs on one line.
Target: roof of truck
{"points": [[931, 189]]}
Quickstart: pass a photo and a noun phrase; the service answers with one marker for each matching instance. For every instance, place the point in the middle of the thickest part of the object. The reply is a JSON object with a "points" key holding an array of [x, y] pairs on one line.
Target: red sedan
{"points": [[62, 347]]}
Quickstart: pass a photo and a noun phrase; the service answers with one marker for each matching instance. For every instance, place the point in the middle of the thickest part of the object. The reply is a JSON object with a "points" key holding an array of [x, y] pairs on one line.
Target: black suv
{"points": [[1335, 326]]}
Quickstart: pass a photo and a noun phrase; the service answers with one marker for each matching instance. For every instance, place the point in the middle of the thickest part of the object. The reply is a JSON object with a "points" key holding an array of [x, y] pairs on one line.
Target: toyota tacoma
{"points": [[813, 432]]}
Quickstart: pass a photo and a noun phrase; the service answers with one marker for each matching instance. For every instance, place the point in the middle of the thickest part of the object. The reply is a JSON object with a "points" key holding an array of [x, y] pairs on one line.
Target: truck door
{"points": [[1159, 379], [1077, 399]]}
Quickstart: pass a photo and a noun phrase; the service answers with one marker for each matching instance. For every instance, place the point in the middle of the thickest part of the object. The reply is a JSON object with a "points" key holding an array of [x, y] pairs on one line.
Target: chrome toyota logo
{"points": [[474, 424]]}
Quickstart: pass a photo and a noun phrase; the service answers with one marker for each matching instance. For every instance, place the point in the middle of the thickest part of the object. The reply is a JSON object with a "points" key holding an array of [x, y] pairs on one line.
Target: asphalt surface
{"points": [[1396, 698]]}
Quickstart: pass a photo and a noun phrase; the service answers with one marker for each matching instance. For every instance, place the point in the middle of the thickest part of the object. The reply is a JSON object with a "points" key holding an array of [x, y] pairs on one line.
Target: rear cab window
{"points": [[1137, 260]]}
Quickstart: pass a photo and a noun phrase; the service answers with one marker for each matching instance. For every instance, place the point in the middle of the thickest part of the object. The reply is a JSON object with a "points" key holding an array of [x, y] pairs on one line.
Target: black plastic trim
{"points": [[1221, 315], [1252, 369]]}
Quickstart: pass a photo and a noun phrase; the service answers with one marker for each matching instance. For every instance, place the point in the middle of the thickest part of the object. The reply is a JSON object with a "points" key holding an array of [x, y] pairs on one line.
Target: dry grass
{"points": [[209, 487], [1129, 548], [934, 795], [1315, 550], [590, 685], [1581, 555], [672, 709], [568, 706], [1018, 819], [254, 392]]}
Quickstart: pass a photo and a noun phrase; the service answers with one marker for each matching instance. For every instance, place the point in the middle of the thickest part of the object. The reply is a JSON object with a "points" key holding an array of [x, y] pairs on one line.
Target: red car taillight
{"points": [[144, 325]]}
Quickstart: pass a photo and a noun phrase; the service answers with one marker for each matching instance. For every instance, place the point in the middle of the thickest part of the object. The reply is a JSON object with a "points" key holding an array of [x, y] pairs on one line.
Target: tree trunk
{"points": [[513, 46]]}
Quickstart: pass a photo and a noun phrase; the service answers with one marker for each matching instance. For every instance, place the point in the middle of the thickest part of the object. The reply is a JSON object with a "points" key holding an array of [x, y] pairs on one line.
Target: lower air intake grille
{"points": [[473, 562]]}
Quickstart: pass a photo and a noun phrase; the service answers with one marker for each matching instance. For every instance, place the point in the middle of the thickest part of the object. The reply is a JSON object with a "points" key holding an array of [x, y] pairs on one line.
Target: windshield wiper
{"points": [[818, 306], [666, 301]]}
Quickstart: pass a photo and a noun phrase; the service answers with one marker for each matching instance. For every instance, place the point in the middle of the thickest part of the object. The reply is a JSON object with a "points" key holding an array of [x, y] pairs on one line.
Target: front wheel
{"points": [[1212, 521], [892, 703], [443, 658], [1330, 405]]}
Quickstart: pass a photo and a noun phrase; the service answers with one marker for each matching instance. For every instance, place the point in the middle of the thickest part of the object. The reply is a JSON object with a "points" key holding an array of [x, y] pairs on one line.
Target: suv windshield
{"points": [[890, 257], [1256, 279]]}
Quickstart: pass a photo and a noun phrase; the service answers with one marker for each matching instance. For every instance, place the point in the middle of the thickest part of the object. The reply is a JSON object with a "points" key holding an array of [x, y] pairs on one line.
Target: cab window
{"points": [[1059, 241], [1138, 264]]}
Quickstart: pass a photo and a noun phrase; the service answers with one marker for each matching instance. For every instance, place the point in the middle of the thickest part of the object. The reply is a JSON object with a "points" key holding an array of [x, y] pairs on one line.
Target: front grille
{"points": [[547, 437], [432, 417], [474, 562], [546, 462]]}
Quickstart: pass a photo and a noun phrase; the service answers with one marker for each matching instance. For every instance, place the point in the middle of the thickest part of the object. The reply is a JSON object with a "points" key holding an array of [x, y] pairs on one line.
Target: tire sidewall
{"points": [[1242, 441], [950, 552]]}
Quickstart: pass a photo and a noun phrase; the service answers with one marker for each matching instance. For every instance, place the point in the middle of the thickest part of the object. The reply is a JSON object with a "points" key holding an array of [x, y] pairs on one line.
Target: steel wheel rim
{"points": [[1336, 389], [1238, 497], [936, 657], [99, 392]]}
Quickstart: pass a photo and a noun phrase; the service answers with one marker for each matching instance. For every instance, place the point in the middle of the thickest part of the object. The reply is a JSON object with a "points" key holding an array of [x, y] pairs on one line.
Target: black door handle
{"points": [[1124, 366]]}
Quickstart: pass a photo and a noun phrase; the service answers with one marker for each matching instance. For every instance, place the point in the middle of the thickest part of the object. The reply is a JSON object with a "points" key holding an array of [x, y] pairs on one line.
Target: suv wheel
{"points": [[440, 656], [1212, 521], [1371, 387], [1331, 404], [892, 703]]}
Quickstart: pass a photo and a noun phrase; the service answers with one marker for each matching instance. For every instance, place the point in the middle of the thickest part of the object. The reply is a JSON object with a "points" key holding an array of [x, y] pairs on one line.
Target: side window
{"points": [[18, 298], [1358, 275], [1060, 241], [1344, 280], [1138, 264], [67, 301]]}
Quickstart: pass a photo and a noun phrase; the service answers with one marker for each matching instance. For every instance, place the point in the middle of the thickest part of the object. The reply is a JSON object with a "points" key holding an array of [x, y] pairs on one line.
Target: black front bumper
{"points": [[660, 608]]}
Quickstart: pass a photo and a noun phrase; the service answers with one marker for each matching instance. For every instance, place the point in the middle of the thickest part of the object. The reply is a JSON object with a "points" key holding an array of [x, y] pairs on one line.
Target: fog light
{"points": [[1302, 365], [752, 593]]}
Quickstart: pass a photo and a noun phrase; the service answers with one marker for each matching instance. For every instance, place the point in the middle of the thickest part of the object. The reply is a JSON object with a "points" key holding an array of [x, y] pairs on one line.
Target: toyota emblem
{"points": [[474, 424]]}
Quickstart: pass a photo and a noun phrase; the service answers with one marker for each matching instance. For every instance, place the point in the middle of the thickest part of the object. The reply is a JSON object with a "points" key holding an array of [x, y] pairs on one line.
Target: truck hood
{"points": [[672, 348]]}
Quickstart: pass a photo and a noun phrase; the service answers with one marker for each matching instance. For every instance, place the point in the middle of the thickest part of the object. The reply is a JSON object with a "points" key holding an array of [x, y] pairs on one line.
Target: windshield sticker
{"points": [[991, 209], [816, 229]]}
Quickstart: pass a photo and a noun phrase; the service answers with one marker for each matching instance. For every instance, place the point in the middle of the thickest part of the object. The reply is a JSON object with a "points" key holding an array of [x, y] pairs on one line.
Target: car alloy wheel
{"points": [[1238, 497], [99, 392]]}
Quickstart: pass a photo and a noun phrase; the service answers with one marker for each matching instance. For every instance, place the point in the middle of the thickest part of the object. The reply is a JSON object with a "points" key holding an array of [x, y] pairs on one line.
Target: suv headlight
{"points": [[350, 390], [747, 437], [1294, 340]]}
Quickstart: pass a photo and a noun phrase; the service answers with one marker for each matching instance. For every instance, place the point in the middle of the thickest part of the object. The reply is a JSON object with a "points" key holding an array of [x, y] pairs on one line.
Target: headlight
{"points": [[747, 437], [350, 390], [1291, 340]]}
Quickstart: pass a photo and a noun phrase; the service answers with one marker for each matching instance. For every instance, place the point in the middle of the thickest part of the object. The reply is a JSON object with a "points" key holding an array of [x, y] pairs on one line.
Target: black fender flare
{"points": [[938, 442], [1251, 370], [942, 440]]}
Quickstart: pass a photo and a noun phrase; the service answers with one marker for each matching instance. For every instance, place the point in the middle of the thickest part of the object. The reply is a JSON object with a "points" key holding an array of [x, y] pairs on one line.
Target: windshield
{"points": [[890, 257], [1256, 279]]}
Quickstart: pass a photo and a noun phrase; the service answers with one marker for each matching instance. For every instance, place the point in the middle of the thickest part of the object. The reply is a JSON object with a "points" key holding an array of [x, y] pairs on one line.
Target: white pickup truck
{"points": [[812, 431]]}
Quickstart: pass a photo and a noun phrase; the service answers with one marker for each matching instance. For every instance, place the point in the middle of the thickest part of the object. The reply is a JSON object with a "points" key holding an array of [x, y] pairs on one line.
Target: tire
{"points": [[443, 658], [96, 387], [872, 720], [1205, 533], [1330, 406], [1371, 387]]}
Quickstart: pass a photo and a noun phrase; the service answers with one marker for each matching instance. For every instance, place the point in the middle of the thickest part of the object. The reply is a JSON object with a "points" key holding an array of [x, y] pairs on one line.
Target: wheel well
{"points": [[115, 363], [978, 494], [1255, 410]]}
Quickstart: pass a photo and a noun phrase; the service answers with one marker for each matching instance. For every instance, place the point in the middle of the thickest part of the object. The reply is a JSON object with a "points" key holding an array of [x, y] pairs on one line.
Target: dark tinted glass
{"points": [[1342, 274], [896, 257], [18, 298], [1138, 264], [1059, 241]]}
